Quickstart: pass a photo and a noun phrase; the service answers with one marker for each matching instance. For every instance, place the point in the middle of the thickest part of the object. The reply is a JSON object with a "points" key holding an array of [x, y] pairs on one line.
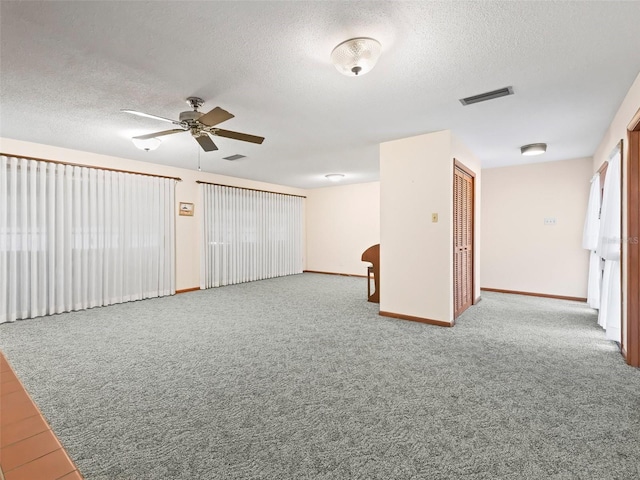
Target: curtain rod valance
{"points": [[252, 189], [89, 166]]}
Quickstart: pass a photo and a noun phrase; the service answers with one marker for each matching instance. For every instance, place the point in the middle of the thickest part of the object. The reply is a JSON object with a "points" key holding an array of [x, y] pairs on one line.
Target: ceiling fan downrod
{"points": [[195, 102]]}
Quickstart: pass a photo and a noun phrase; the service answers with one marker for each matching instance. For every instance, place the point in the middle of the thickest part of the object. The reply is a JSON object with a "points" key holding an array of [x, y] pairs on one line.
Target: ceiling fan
{"points": [[199, 124]]}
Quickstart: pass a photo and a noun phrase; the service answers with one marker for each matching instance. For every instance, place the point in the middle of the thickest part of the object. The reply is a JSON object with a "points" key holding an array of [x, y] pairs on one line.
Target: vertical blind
{"points": [[590, 242], [74, 237], [609, 248], [249, 235]]}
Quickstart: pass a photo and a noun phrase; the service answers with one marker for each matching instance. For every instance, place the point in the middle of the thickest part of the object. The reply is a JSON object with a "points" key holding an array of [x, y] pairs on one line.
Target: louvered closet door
{"points": [[462, 240]]}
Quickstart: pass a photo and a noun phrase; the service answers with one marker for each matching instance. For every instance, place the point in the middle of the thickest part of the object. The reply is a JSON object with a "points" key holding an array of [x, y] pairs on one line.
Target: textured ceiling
{"points": [[67, 68]]}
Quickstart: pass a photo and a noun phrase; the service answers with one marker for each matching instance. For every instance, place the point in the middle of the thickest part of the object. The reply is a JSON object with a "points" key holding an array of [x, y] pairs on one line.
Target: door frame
{"points": [[468, 171], [631, 348]]}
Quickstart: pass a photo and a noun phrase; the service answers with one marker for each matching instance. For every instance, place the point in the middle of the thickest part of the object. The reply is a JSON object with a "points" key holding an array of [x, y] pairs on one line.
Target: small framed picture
{"points": [[186, 209]]}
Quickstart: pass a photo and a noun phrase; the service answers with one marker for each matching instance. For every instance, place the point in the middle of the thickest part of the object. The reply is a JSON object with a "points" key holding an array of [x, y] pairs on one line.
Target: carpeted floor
{"points": [[299, 378]]}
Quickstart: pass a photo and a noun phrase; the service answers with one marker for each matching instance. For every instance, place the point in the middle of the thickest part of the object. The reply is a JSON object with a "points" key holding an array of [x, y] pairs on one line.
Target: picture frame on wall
{"points": [[186, 209]]}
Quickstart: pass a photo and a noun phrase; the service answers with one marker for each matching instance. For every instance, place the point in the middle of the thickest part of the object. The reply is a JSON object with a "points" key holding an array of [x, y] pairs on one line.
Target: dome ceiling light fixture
{"points": [[356, 56], [334, 177], [147, 143], [533, 149]]}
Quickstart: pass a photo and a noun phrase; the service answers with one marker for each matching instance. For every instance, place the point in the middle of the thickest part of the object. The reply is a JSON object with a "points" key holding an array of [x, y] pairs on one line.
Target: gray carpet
{"points": [[299, 378]]}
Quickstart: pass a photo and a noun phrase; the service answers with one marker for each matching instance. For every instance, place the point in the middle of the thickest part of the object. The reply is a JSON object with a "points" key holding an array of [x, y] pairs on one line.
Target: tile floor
{"points": [[29, 450]]}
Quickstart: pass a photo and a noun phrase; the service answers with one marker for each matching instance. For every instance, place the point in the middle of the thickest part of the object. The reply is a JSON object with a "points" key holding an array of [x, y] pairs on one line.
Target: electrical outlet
{"points": [[550, 220], [434, 217]]}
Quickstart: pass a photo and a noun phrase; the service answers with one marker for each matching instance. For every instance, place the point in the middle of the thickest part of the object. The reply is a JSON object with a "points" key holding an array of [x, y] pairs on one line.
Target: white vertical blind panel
{"points": [[590, 242], [76, 237], [248, 235], [609, 248]]}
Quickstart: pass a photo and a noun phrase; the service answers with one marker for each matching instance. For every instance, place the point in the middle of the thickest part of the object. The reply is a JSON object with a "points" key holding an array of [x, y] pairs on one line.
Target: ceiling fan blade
{"points": [[215, 116], [148, 115], [159, 134], [206, 143], [245, 137]]}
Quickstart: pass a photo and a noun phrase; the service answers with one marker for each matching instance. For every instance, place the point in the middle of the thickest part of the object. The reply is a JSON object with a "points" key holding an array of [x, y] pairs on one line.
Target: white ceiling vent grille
{"points": [[234, 157], [483, 97]]}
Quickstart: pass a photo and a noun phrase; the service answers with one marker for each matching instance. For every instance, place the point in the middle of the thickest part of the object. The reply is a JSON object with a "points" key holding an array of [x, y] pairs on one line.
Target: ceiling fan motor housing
{"points": [[190, 116]]}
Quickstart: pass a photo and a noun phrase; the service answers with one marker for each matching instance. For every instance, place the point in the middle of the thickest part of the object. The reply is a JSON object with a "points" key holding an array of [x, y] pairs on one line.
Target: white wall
{"points": [[618, 131], [187, 228], [519, 252], [416, 180], [342, 222]]}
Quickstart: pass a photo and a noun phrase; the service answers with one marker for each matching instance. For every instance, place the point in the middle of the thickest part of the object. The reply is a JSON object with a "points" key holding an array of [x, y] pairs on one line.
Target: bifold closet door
{"points": [[463, 202]]}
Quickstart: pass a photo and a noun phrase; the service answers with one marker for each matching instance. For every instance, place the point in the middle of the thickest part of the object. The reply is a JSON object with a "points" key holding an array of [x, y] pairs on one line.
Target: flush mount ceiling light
{"points": [[147, 143], [356, 56], [334, 177], [533, 149]]}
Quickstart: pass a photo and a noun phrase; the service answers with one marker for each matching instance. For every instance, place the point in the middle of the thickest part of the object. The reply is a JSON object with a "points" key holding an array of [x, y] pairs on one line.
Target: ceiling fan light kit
{"points": [[146, 144], [356, 56], [533, 149], [201, 126]]}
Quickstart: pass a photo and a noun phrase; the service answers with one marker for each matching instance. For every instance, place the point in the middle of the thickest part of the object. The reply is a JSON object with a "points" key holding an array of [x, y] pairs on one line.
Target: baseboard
{"points": [[477, 300], [335, 273], [430, 321], [532, 294], [185, 290]]}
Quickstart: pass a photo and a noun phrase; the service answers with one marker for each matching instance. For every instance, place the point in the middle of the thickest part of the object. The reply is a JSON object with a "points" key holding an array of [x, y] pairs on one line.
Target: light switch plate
{"points": [[550, 220]]}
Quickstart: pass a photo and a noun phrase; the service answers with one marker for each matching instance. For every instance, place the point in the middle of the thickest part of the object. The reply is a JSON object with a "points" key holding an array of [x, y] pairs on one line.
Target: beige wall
{"points": [[415, 270], [520, 252], [618, 128], [416, 180], [618, 131], [187, 228], [342, 222]]}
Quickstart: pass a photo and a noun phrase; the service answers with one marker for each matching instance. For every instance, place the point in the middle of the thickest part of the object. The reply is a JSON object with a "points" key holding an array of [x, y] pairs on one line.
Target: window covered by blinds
{"points": [[74, 237], [249, 235]]}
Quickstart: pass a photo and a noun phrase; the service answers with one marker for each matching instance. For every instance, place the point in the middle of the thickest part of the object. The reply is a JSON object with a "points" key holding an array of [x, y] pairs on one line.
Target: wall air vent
{"points": [[234, 157], [501, 92]]}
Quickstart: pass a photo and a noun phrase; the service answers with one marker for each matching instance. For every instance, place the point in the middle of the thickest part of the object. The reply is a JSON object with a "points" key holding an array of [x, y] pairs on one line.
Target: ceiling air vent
{"points": [[501, 92], [234, 157]]}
